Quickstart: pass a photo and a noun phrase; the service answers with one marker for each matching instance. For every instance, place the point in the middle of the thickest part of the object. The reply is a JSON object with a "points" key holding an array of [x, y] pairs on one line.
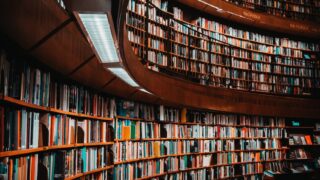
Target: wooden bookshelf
{"points": [[284, 81], [89, 172], [50, 148], [21, 103], [195, 154], [295, 10]]}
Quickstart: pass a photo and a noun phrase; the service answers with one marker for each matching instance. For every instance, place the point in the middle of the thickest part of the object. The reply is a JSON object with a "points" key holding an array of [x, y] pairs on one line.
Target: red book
{"points": [[308, 139]]}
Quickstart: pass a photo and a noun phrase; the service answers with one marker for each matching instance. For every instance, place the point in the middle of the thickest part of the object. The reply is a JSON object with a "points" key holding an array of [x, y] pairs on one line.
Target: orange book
{"points": [[32, 167], [156, 148], [257, 157], [308, 139], [184, 115], [126, 132], [10, 171]]}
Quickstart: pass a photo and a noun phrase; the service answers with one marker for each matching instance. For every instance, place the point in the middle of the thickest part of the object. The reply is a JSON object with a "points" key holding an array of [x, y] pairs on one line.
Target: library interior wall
{"points": [[60, 45]]}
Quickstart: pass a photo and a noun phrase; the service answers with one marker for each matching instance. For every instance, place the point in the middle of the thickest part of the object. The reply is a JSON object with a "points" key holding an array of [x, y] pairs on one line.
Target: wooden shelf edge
{"points": [[213, 138], [48, 109], [49, 148], [89, 172]]}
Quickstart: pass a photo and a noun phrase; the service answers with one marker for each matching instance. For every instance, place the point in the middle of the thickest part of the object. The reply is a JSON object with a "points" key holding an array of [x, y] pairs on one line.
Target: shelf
{"points": [[50, 148], [212, 138], [89, 172], [195, 123], [191, 154], [163, 174], [299, 127], [14, 101]]}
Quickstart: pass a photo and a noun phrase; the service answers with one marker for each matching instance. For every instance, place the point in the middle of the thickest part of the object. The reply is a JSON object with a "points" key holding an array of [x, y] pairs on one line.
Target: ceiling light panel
{"points": [[99, 31]]}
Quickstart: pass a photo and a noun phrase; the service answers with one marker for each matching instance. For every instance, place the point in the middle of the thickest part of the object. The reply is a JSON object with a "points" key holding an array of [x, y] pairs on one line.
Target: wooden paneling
{"points": [[256, 19], [27, 22], [92, 74], [145, 97], [119, 88], [65, 50]]}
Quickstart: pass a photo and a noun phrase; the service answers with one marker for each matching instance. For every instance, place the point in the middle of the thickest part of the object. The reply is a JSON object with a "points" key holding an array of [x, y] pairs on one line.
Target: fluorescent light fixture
{"points": [[217, 8], [99, 31], [122, 74], [143, 90]]}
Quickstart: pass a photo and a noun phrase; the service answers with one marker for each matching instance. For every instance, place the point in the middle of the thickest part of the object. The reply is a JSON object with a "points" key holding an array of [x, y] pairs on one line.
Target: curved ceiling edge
{"points": [[185, 93], [256, 19]]}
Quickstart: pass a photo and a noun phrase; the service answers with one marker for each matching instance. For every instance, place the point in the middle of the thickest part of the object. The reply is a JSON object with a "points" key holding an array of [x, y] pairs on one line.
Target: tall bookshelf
{"points": [[51, 128], [212, 53], [294, 9], [181, 143]]}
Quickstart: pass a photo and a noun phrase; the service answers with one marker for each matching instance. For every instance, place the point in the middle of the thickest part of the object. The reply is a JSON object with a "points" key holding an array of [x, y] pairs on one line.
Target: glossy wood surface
{"points": [[190, 94], [253, 18]]}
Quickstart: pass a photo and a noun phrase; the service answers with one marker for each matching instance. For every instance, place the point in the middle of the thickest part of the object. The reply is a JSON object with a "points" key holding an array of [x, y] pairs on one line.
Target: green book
{"points": [[133, 129]]}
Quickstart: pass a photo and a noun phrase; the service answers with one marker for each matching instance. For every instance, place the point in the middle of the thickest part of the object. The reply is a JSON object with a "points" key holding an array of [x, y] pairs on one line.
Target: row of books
{"points": [[233, 120], [134, 38], [300, 10], [135, 21], [32, 85], [137, 6], [300, 139], [299, 153], [24, 129], [168, 170], [220, 28], [294, 71], [127, 129], [130, 150], [57, 165], [158, 58], [136, 110]]}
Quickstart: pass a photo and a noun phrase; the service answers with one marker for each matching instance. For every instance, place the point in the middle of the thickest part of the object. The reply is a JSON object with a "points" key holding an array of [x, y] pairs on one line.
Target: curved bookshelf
{"points": [[298, 10], [214, 54], [176, 89]]}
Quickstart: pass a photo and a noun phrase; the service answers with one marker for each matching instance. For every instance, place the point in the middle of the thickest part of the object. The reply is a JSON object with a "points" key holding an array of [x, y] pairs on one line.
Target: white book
{"points": [[24, 125], [36, 130], [161, 113]]}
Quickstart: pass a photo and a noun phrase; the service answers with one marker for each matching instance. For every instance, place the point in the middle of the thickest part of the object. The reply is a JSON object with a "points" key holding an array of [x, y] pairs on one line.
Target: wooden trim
{"points": [[14, 101], [50, 148], [89, 172], [252, 18], [50, 34]]}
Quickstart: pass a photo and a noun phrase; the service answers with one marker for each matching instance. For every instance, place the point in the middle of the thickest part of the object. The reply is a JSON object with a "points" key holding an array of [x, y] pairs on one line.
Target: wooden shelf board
{"points": [[49, 148], [89, 172], [50, 110]]}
